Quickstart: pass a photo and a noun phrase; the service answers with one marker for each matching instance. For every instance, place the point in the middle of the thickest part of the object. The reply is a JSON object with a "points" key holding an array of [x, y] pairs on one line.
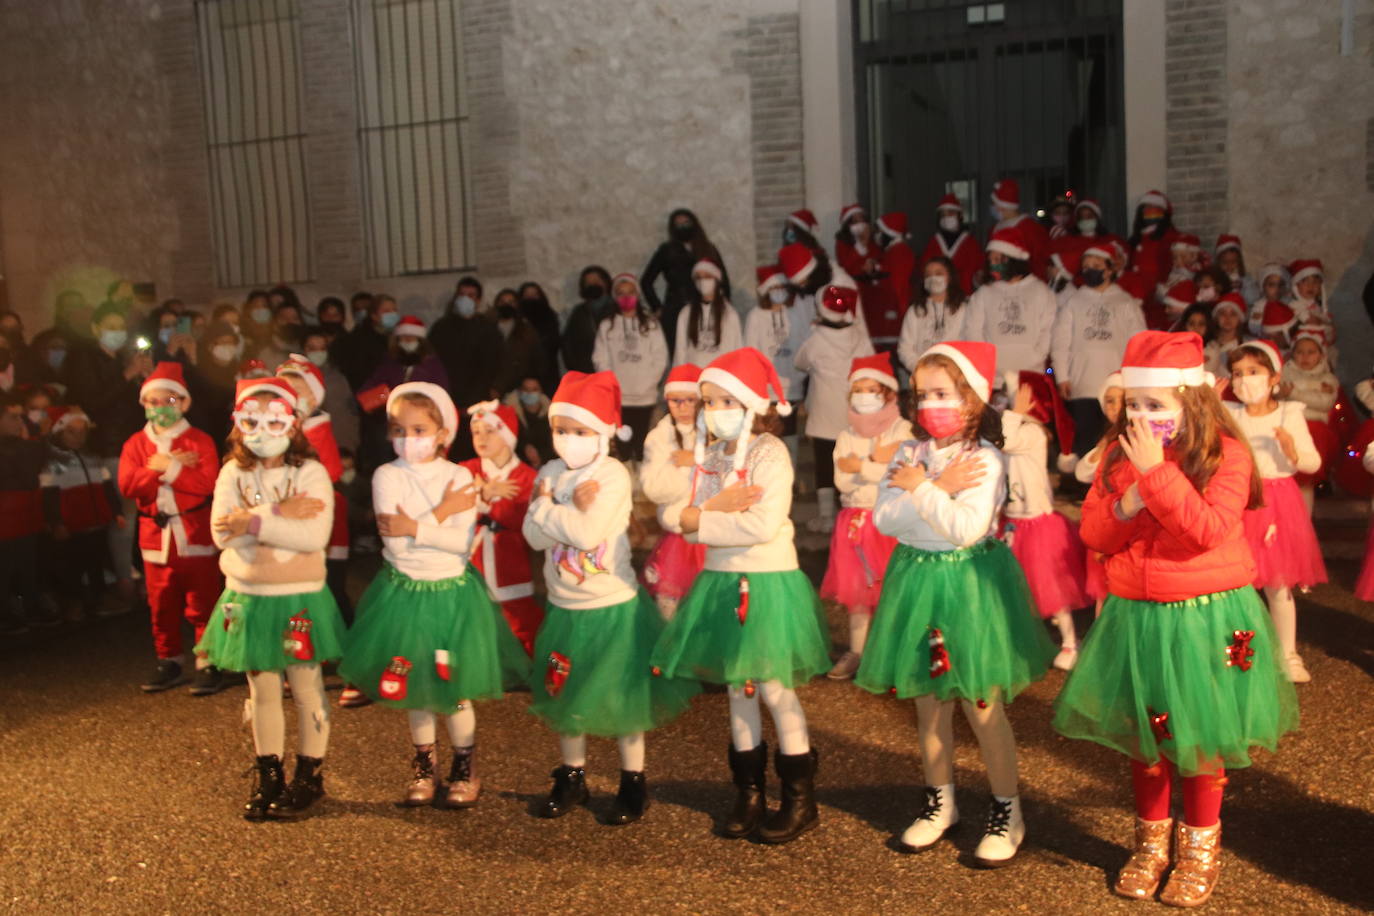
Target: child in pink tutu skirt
{"points": [[1043, 540], [1111, 397], [858, 551], [667, 481], [1280, 532]]}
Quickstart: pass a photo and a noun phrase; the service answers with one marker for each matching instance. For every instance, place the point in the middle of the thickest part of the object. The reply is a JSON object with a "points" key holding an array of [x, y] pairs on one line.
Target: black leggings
{"points": [[637, 418], [824, 450]]}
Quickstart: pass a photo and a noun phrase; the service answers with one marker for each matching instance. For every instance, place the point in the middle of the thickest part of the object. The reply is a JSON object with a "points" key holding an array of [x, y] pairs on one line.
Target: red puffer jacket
{"points": [[1183, 543]]}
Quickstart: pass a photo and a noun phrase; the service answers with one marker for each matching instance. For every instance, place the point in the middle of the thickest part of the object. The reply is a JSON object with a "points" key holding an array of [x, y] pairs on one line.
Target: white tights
{"points": [[1283, 610], [269, 722], [935, 732], [462, 726], [746, 722], [573, 749]]}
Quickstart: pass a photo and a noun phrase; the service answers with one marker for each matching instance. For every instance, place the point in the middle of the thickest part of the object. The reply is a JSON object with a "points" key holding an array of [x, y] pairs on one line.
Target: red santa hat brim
{"points": [[1305, 271], [851, 211], [271, 386], [166, 376], [1271, 352], [411, 327], [1009, 248], [580, 414], [1155, 199], [297, 366], [704, 266], [1100, 251], [62, 417], [770, 278], [878, 368], [1088, 204], [494, 414], [803, 219], [1228, 243], [1160, 359], [435, 393], [683, 379], [980, 383], [730, 370], [1229, 303]]}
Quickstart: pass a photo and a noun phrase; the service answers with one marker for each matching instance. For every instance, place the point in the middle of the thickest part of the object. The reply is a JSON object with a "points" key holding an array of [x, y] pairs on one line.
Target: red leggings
{"points": [[1201, 793]]}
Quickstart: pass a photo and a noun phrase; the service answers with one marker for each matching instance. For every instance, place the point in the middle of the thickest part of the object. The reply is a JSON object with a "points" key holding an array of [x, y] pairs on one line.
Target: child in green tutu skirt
{"points": [[272, 513], [752, 619], [1183, 670], [429, 638], [955, 621], [592, 670]]}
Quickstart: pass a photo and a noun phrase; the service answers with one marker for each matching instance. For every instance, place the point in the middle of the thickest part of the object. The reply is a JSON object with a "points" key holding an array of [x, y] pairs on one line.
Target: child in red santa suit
{"points": [[953, 241], [668, 477], [858, 551], [1182, 670], [504, 488], [168, 469]]}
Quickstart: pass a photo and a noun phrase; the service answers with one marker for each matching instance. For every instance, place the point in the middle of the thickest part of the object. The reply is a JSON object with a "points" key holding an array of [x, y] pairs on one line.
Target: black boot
{"points": [[750, 772], [569, 789], [307, 787], [268, 783], [797, 813], [632, 799]]}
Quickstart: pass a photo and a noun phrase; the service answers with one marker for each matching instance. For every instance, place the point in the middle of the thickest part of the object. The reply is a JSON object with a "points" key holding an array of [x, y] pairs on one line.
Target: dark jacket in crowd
{"points": [[212, 396], [541, 316], [579, 334], [358, 353], [98, 384], [522, 358], [471, 351], [673, 261]]}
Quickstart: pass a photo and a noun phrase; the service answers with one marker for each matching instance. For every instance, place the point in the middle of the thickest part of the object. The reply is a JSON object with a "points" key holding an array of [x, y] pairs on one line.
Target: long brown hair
{"points": [[1198, 446], [954, 292], [980, 420]]}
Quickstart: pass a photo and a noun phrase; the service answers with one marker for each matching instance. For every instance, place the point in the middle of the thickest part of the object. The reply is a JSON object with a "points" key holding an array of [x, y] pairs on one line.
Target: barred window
{"points": [[250, 65], [413, 136]]}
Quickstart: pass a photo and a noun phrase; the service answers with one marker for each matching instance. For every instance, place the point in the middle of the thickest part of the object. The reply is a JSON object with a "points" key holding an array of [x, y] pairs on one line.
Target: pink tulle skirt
{"points": [[1292, 556], [858, 558], [1096, 579], [1364, 586], [672, 566], [1054, 561]]}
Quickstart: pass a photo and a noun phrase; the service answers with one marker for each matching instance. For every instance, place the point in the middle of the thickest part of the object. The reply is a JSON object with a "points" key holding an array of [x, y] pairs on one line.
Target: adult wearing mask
{"points": [[955, 243], [338, 399], [470, 346], [286, 333], [534, 305], [523, 354], [409, 358], [674, 260], [329, 316], [212, 381], [49, 351], [579, 334], [256, 323], [359, 351]]}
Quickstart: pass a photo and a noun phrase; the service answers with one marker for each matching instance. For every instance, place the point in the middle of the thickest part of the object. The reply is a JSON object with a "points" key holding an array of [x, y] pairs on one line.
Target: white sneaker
{"points": [[1003, 834], [845, 666], [1067, 658], [936, 817], [1296, 670]]}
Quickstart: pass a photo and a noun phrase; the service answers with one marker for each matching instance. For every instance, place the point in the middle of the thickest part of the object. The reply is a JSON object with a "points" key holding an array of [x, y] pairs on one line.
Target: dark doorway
{"points": [[954, 94]]}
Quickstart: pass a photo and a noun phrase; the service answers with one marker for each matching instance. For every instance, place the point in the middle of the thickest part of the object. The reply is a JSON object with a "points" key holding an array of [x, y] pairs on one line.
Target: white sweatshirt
{"points": [[826, 356], [1026, 446], [778, 334], [1270, 461], [702, 354], [927, 518], [1016, 317], [638, 358], [439, 550], [1307, 388], [665, 484], [1089, 337], [921, 332], [860, 490], [586, 554], [286, 557], [759, 539]]}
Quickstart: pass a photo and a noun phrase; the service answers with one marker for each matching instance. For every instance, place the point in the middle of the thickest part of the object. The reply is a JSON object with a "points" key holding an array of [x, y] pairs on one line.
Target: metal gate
{"points": [[955, 94]]}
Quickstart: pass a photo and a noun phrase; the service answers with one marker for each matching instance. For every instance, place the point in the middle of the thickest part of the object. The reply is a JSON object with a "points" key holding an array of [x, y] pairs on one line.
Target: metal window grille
{"points": [[413, 136], [250, 65]]}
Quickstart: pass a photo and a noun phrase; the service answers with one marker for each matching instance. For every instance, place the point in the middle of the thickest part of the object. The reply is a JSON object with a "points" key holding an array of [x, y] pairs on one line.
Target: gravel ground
{"points": [[116, 802]]}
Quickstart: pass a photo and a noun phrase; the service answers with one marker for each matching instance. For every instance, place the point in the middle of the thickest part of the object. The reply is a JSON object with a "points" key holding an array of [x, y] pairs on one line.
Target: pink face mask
{"points": [[627, 303], [941, 418]]}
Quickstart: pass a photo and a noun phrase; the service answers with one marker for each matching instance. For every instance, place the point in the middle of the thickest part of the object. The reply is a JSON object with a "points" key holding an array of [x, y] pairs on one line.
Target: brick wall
{"points": [[1196, 115], [773, 61]]}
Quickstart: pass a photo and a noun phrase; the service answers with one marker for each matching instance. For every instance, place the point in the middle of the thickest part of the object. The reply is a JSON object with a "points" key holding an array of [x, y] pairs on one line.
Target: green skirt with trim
{"points": [[955, 624], [271, 632]]}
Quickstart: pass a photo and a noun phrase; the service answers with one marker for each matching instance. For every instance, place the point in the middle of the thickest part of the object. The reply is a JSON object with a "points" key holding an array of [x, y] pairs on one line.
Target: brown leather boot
{"points": [[1198, 865], [464, 786], [422, 782], [1139, 878]]}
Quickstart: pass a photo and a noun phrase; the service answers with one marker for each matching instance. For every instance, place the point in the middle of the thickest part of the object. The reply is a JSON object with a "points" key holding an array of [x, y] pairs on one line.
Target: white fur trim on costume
{"points": [[710, 268], [438, 395], [1161, 376], [1304, 274], [980, 385], [742, 392], [584, 416], [1154, 199], [1066, 462], [410, 329], [680, 388], [265, 387], [486, 412], [168, 384], [886, 379], [1008, 249]]}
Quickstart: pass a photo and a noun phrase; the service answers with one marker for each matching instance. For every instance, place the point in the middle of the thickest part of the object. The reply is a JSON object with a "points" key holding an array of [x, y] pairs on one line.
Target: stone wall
{"points": [[1195, 124]]}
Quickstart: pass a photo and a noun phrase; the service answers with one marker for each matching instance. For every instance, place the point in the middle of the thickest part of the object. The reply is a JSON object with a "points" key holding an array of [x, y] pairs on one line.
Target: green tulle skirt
{"points": [[1196, 681], [955, 624], [592, 674], [271, 632], [420, 644], [783, 634]]}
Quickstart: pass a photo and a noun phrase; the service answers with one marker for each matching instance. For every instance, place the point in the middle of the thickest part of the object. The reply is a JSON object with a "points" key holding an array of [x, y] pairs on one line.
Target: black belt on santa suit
{"points": [[487, 521], [161, 518]]}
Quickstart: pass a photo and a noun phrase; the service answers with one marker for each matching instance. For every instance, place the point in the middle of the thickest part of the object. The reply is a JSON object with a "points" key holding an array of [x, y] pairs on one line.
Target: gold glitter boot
{"points": [[1139, 878], [1198, 867]]}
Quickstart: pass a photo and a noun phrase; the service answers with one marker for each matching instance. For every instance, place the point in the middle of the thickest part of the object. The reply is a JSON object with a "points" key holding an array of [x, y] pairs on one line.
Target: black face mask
{"points": [[531, 303], [683, 232], [289, 333], [505, 312], [592, 291], [331, 327], [1093, 276]]}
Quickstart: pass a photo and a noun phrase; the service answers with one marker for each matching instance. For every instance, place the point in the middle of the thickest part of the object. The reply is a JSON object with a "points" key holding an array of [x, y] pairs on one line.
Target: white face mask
{"points": [[706, 286], [408, 344], [465, 306], [936, 283], [1252, 389], [726, 423], [777, 295], [857, 228], [1087, 226], [1207, 294], [318, 357], [265, 445], [576, 451], [348, 476], [949, 223], [224, 353], [415, 449], [866, 401]]}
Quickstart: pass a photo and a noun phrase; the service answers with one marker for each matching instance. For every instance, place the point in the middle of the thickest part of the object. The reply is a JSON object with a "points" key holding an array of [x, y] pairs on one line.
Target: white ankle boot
{"points": [[1003, 834], [937, 816]]}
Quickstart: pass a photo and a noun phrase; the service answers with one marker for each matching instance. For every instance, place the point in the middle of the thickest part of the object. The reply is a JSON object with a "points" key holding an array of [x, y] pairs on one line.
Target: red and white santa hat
{"points": [[1302, 269], [804, 219], [500, 417], [838, 303], [1047, 406], [278, 389], [1276, 318], [1006, 193], [1154, 198], [1111, 381], [747, 375], [252, 368], [976, 359], [1227, 242], [1011, 242], [849, 211], [797, 261], [894, 224], [949, 202], [769, 276], [448, 412], [1181, 295], [409, 326], [296, 364], [592, 399], [65, 415], [1101, 250], [1067, 262], [1273, 270], [877, 367], [1186, 241], [1089, 204], [704, 266], [168, 377], [1232, 302], [1270, 352], [1163, 359], [1313, 332], [683, 379], [1134, 285]]}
